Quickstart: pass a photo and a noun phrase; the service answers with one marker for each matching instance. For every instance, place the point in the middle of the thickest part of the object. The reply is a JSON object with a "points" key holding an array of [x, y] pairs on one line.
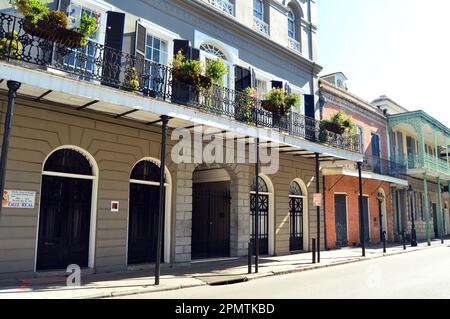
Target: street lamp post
{"points": [[413, 225], [380, 198]]}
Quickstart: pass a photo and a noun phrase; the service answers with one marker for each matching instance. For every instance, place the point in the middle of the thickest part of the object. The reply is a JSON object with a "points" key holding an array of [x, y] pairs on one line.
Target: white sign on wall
{"points": [[18, 199]]}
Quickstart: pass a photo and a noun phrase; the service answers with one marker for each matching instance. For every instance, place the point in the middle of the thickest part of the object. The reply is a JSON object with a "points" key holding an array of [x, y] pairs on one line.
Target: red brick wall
{"points": [[367, 123], [349, 185]]}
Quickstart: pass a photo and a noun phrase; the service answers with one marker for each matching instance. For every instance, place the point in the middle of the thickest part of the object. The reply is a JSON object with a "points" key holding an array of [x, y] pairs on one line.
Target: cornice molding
{"points": [[289, 59]]}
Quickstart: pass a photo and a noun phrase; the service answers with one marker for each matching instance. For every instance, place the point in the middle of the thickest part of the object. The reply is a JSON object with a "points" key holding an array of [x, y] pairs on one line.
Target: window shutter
{"points": [[243, 78], [309, 106], [277, 85], [141, 40], [287, 88], [114, 30], [63, 5], [253, 77], [182, 45], [194, 54], [114, 40]]}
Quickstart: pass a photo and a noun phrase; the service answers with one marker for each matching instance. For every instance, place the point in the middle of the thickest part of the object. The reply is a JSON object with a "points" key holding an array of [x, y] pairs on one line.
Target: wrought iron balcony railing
{"points": [[223, 5], [294, 45], [119, 70], [260, 25], [383, 166], [415, 161]]}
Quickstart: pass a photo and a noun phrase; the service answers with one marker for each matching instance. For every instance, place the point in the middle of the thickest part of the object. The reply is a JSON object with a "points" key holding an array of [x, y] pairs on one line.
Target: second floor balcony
{"points": [[102, 66], [426, 164]]}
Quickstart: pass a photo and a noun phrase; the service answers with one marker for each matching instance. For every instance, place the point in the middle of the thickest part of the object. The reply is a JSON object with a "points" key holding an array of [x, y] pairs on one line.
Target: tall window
{"points": [[156, 49], [258, 9], [261, 88], [291, 24]]}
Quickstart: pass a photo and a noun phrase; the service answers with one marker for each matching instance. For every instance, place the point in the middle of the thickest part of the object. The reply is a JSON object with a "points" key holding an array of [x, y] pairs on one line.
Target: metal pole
{"points": [[361, 212], [384, 241], [313, 250], [440, 210], [13, 86], [250, 254], [257, 208], [404, 240], [318, 208], [165, 121], [380, 216], [427, 209], [413, 219]]}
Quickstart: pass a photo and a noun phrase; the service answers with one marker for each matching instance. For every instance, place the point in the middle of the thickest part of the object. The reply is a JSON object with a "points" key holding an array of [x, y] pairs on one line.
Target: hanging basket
{"points": [[54, 33]]}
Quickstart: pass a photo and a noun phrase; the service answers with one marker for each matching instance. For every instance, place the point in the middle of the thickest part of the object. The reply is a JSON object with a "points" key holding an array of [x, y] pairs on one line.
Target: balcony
{"points": [[294, 45], [260, 25], [101, 65], [433, 165], [222, 5], [383, 166]]}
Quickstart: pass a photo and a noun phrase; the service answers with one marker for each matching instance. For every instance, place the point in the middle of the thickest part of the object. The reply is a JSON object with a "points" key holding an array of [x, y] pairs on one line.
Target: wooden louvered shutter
{"points": [[112, 58]]}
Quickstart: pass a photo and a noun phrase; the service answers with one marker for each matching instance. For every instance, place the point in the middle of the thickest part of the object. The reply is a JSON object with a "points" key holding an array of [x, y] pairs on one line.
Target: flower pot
{"points": [[54, 33], [332, 127]]}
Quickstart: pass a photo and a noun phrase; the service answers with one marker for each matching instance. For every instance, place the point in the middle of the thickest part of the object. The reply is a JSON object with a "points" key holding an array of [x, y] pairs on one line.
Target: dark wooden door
{"points": [[376, 153], [64, 223], [435, 220], [263, 223], [211, 220], [340, 217], [296, 223], [143, 223], [366, 218]]}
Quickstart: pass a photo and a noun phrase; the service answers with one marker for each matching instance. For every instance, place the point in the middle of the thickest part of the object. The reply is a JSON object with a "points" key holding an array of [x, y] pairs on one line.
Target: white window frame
{"points": [[293, 21]]}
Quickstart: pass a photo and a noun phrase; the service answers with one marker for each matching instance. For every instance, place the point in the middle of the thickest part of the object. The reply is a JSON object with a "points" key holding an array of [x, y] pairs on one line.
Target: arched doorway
{"points": [[66, 233], [265, 204], [143, 213], [211, 213], [297, 215]]}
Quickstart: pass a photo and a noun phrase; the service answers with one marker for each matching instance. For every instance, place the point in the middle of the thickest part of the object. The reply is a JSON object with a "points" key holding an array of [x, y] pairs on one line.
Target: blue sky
{"points": [[400, 48]]}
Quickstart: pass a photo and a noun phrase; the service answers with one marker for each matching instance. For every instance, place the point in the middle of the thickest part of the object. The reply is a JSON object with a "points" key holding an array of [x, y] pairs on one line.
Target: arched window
{"points": [[146, 171], [211, 49], [291, 24], [68, 161], [295, 189], [262, 186]]}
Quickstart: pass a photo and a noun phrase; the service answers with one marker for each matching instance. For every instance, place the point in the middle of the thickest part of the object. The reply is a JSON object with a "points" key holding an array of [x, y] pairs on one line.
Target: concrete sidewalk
{"points": [[196, 274]]}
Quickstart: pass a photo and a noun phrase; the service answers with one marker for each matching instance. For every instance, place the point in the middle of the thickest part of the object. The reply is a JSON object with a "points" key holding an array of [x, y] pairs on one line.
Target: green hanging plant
{"points": [[10, 46], [216, 70], [35, 9], [244, 109]]}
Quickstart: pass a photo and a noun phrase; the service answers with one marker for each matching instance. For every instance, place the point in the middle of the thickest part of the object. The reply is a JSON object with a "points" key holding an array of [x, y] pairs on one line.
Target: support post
{"points": [[324, 189], [384, 241], [250, 254], [318, 208], [440, 210], [165, 121], [257, 208], [313, 243], [361, 212], [13, 86], [427, 210]]}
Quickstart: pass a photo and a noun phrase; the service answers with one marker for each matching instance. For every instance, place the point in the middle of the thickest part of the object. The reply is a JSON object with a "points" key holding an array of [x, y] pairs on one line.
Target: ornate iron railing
{"points": [[415, 161], [294, 45], [120, 70], [383, 166], [260, 25], [223, 5]]}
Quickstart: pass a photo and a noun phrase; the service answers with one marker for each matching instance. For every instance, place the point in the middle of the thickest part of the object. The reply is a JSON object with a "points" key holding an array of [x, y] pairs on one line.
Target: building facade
{"points": [[89, 151], [341, 180], [420, 142]]}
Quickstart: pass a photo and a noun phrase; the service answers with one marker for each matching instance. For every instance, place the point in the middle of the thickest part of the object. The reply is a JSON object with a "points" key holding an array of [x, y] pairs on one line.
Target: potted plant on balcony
{"points": [[279, 103], [54, 25], [339, 123], [10, 46], [215, 71], [131, 81], [245, 104]]}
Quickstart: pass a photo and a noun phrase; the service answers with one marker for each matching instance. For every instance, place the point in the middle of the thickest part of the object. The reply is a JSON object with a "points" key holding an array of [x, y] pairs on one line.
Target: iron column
{"points": [[427, 209], [361, 212], [318, 207], [165, 121], [13, 86], [257, 208]]}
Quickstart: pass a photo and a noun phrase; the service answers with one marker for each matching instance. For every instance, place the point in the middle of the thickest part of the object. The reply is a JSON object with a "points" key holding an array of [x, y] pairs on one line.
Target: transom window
{"points": [[258, 9], [295, 189], [262, 186], [68, 161], [146, 171], [211, 49], [291, 24]]}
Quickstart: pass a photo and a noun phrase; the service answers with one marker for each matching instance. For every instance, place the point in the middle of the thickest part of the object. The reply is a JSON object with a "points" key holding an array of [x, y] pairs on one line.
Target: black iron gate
{"points": [[340, 218], [64, 223], [143, 223], [211, 220], [263, 223], [296, 219]]}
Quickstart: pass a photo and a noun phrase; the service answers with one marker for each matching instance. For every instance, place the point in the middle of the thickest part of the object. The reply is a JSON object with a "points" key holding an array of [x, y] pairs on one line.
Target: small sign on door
{"points": [[317, 200], [18, 199]]}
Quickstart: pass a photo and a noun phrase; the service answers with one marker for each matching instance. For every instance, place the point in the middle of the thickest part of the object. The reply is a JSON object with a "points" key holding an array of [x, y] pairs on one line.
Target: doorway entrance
{"points": [[365, 201], [211, 220], [65, 211], [340, 218], [297, 202]]}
